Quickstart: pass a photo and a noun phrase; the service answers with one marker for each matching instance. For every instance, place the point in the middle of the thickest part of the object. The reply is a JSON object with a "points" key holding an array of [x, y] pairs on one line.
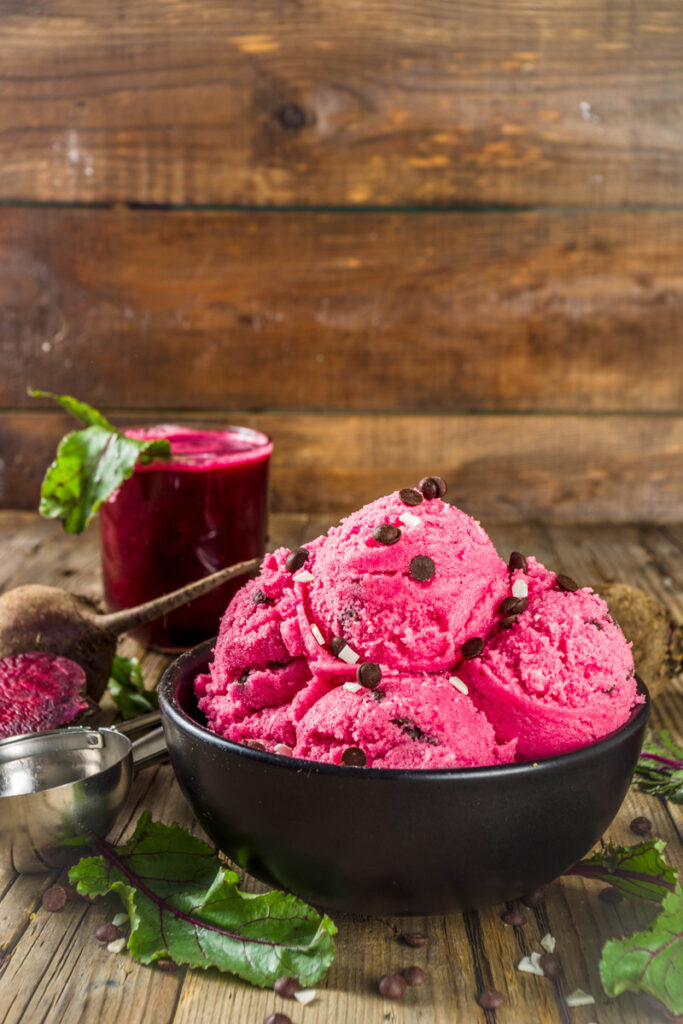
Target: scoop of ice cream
{"points": [[403, 585], [561, 676], [258, 661], [407, 721]]}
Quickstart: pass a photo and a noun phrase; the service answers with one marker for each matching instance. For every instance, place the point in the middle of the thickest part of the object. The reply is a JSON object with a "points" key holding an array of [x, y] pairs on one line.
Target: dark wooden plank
{"points": [[188, 101], [559, 468], [426, 312]]}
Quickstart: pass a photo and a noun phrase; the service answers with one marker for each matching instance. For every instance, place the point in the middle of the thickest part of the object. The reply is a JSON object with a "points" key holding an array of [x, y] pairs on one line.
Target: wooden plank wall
{"points": [[402, 238]]}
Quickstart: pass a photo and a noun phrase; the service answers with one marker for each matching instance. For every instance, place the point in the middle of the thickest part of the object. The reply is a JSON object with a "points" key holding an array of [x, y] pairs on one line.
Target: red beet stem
{"points": [[130, 618]]}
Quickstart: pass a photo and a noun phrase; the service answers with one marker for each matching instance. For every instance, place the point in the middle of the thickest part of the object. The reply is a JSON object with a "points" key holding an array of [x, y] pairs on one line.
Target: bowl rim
{"points": [[171, 709]]}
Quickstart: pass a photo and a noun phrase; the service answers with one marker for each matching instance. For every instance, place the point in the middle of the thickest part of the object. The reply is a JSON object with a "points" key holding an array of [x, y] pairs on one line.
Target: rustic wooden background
{"points": [[402, 238]]}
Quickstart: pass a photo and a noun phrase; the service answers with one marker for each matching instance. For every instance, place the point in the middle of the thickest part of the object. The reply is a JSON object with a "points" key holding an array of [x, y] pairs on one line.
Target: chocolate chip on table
{"points": [[169, 966], [392, 986], [415, 939], [422, 568], [534, 898], [550, 965], [107, 933], [507, 622], [385, 533], [354, 757], [610, 895], [432, 487], [277, 1018], [517, 561], [566, 583], [286, 987], [337, 644], [473, 647], [295, 559], [369, 674], [409, 496], [54, 898], [491, 999], [641, 826], [514, 916], [414, 975]]}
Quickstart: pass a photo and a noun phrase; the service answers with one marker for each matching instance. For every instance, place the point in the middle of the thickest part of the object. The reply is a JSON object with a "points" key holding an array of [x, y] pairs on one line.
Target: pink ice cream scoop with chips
{"points": [[401, 639]]}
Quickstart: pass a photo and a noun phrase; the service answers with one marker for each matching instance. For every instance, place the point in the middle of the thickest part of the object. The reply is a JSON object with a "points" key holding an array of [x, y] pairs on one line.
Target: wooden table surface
{"points": [[52, 968]]}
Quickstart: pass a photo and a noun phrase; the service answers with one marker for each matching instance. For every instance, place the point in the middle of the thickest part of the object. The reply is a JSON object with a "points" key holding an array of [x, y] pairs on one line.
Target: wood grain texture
{"points": [[51, 969], [557, 468], [312, 102], [423, 312]]}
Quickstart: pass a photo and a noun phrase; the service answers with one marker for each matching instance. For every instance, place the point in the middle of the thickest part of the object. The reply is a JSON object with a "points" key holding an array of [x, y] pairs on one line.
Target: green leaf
{"points": [[660, 767], [88, 416], [650, 960], [90, 465], [127, 688], [183, 903], [639, 872]]}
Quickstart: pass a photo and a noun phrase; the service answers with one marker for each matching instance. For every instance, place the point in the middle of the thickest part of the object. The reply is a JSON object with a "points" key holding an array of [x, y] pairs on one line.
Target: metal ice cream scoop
{"points": [[60, 786]]}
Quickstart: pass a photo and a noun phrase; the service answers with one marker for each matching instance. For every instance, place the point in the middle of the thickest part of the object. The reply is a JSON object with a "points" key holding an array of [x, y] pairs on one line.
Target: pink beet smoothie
{"points": [[561, 677], [175, 521]]}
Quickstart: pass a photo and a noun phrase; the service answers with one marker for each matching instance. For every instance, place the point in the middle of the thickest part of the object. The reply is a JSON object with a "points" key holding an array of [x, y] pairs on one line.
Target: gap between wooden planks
{"points": [[53, 970]]}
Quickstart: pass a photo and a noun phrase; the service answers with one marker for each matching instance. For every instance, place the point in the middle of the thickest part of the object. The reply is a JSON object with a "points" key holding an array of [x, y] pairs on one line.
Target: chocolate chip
{"points": [[354, 757], [107, 933], [610, 895], [491, 999], [258, 597], [415, 939], [507, 604], [169, 966], [369, 674], [255, 745], [337, 644], [567, 583], [54, 898], [522, 605], [378, 695], [432, 486], [514, 916], [473, 647], [517, 561], [422, 568], [277, 1018], [414, 975], [286, 987], [295, 559], [639, 826], [409, 496], [550, 965], [392, 986], [507, 621], [534, 898], [386, 534]]}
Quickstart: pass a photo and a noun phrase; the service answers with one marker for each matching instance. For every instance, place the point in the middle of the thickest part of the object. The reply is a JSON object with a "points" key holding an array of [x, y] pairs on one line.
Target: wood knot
{"points": [[291, 116]]}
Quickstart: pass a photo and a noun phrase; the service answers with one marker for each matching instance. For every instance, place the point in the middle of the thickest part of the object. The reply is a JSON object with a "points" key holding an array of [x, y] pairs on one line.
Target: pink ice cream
{"points": [[384, 644], [561, 677]]}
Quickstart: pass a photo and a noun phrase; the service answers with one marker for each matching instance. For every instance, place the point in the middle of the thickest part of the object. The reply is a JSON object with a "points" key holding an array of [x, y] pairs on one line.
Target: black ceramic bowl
{"points": [[385, 841]]}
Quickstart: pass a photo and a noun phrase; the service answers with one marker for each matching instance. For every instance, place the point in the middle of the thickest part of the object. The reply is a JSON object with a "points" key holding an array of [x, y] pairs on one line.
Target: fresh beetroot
{"points": [[39, 618], [39, 691]]}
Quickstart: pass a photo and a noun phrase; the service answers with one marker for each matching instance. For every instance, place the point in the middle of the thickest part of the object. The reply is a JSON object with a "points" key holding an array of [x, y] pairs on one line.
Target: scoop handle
{"points": [[149, 749]]}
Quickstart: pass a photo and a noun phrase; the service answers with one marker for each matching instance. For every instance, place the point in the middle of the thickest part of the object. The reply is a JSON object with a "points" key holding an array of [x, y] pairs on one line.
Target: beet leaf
{"points": [[127, 688], [639, 872], [90, 465], [650, 960], [183, 903], [660, 767]]}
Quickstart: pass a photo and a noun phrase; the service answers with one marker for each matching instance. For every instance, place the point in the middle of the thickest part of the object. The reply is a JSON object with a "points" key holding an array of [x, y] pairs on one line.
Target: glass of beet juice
{"points": [[174, 521]]}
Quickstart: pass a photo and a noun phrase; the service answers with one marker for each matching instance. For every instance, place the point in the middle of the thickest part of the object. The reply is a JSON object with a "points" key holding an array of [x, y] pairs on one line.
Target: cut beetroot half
{"points": [[39, 691]]}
